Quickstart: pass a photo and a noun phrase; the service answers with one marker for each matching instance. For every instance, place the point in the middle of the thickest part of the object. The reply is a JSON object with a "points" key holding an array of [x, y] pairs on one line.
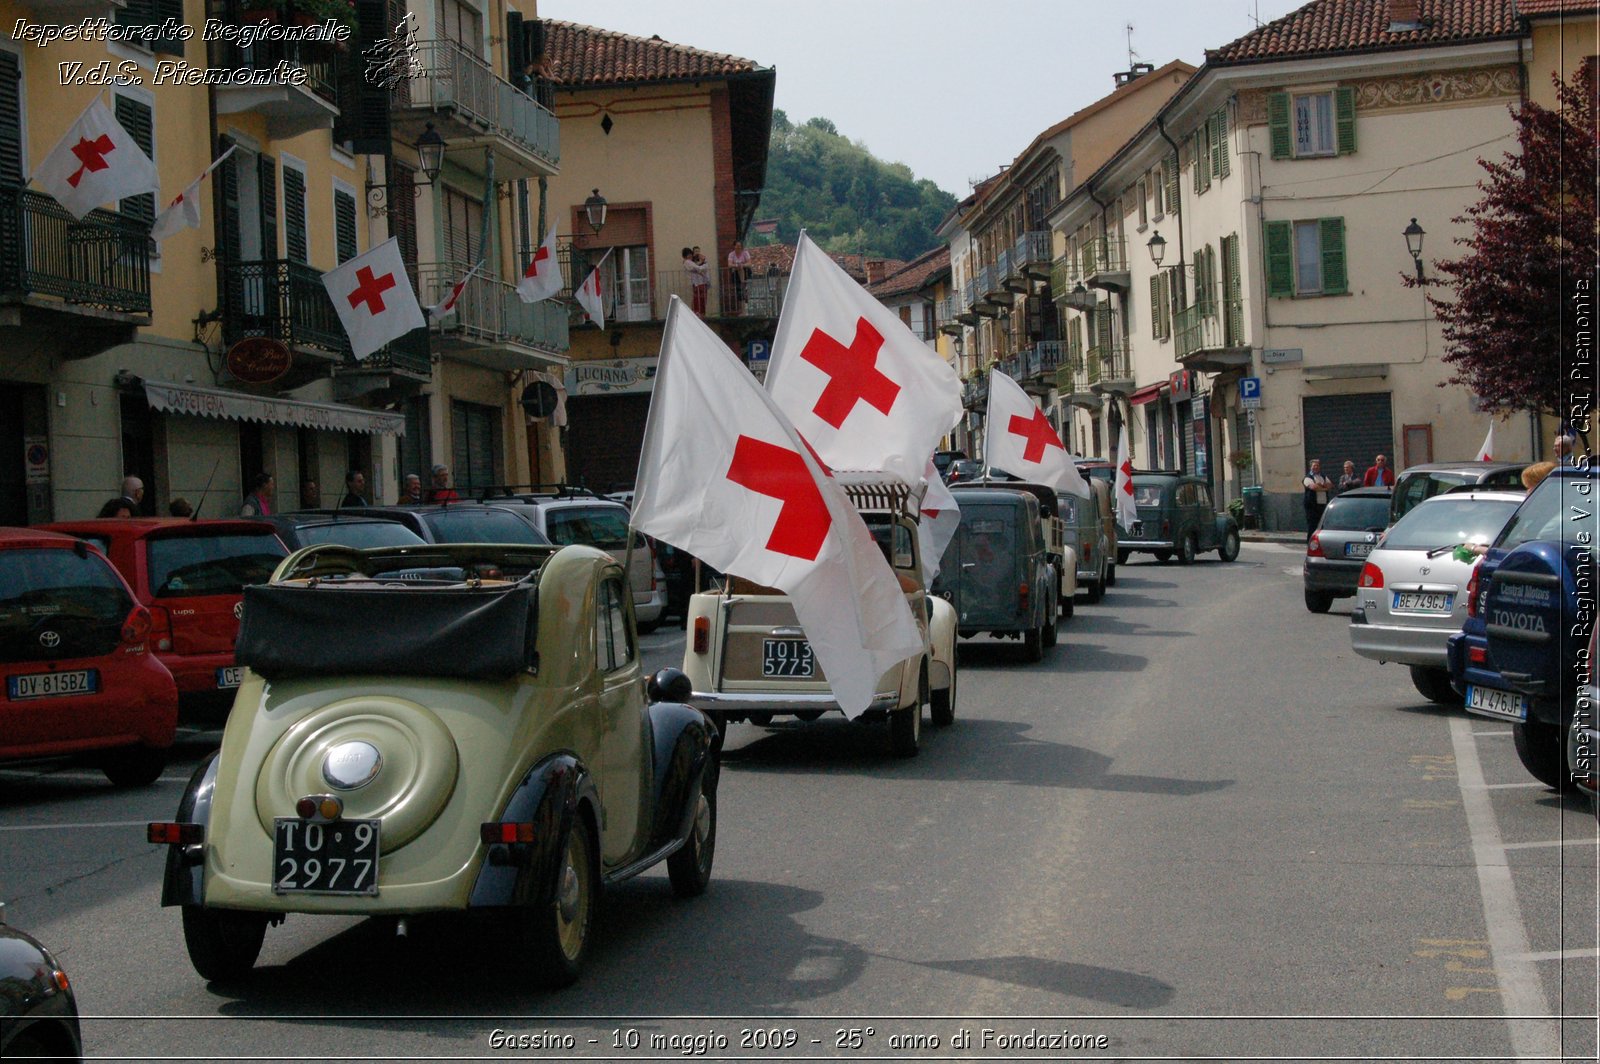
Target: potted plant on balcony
{"points": [[316, 12]]}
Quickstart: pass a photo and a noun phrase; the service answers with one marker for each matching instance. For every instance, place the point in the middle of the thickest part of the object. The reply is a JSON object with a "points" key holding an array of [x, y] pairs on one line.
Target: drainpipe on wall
{"points": [[1183, 285]]}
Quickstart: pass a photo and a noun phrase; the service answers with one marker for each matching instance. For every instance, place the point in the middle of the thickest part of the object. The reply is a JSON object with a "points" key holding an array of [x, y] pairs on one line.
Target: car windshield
{"points": [[1416, 487], [482, 526], [1364, 513], [1447, 521], [1069, 508], [223, 564], [1541, 516], [77, 592], [360, 534], [605, 527]]}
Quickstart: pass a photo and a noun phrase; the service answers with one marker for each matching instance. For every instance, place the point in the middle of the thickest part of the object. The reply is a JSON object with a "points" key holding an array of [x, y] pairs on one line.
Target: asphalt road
{"points": [[1201, 828]]}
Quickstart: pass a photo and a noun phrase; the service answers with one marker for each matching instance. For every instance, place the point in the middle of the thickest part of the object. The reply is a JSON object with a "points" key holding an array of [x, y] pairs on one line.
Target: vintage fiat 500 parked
{"points": [[436, 728], [747, 657]]}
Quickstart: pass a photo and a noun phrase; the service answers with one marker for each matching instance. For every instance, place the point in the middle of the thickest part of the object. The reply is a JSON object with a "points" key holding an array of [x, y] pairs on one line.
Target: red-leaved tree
{"points": [[1516, 319]]}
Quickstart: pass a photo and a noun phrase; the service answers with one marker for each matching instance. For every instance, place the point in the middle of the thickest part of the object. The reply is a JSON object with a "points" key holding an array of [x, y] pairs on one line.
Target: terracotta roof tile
{"points": [[915, 275], [1331, 27], [1536, 8], [577, 56], [764, 256]]}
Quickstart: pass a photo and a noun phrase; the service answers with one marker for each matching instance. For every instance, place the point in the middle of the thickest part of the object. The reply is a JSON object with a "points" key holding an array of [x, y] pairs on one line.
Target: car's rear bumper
{"points": [[777, 702], [1399, 644], [649, 608], [1339, 578]]}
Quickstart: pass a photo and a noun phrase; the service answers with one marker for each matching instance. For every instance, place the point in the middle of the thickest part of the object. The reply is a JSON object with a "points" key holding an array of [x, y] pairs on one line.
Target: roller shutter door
{"points": [[475, 446], [604, 437], [1353, 427]]}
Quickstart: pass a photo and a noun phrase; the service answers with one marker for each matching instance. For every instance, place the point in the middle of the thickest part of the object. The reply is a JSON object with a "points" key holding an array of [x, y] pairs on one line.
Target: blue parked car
{"points": [[1531, 607]]}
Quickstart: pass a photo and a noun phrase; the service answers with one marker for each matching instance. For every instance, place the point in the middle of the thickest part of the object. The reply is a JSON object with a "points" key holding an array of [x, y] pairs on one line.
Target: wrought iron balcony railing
{"points": [[1103, 255], [450, 80], [1107, 363], [1209, 327], [102, 261], [490, 311], [1032, 254], [1049, 354], [318, 59]]}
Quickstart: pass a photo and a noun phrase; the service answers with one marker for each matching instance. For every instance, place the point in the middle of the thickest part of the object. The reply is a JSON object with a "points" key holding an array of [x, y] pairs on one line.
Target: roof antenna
{"points": [[1133, 56], [1255, 15]]}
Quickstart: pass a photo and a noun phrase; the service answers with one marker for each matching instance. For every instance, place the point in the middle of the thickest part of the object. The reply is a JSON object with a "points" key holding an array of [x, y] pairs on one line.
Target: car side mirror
{"points": [[669, 685]]}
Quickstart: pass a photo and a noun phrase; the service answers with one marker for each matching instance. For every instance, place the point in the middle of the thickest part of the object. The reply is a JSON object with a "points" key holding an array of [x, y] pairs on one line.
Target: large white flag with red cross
{"points": [[96, 162], [1020, 440], [852, 378], [724, 476], [541, 278], [374, 298], [1127, 512]]}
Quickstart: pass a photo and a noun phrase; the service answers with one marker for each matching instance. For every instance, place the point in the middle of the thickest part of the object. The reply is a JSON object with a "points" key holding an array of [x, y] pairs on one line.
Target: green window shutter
{"points": [[1200, 279], [344, 226], [1278, 125], [227, 191], [267, 181], [1280, 259], [1214, 143], [1172, 183], [1232, 291], [1155, 306], [294, 216], [1344, 120], [1221, 118], [1331, 234], [10, 119], [1198, 143], [136, 118]]}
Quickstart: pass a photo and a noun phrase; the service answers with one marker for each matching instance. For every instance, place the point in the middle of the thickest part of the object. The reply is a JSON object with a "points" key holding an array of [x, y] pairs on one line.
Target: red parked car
{"points": [[76, 663], [192, 576]]}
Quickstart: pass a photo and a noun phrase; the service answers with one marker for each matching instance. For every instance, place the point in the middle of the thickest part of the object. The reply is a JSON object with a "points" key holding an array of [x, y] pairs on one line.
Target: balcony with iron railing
{"points": [[944, 317], [97, 267], [287, 301], [1047, 356], [1210, 336], [474, 109], [491, 326], [1012, 278], [992, 297], [290, 109], [1108, 368], [1105, 263], [967, 306], [1032, 255]]}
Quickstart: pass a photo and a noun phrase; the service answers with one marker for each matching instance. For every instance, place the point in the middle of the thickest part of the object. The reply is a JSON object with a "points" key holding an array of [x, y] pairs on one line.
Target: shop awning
{"points": [[197, 401], [1149, 393]]}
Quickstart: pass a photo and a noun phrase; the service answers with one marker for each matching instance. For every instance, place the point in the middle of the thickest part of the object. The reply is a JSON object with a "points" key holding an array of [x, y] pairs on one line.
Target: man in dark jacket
{"points": [[355, 484]]}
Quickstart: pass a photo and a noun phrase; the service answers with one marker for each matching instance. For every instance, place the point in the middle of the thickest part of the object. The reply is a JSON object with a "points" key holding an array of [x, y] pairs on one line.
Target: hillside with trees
{"points": [[847, 200]]}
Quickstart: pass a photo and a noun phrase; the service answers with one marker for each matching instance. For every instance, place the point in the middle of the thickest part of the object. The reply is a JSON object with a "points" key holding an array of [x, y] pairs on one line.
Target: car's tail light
{"points": [[160, 628], [1478, 655], [136, 629], [1314, 546], [1371, 576], [326, 806], [167, 833], [505, 832], [702, 635], [1473, 605], [1022, 595]]}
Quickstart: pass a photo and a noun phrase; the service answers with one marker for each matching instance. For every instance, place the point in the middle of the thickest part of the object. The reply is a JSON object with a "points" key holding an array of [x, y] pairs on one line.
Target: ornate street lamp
{"points": [[594, 208], [1158, 248], [430, 153], [1414, 234]]}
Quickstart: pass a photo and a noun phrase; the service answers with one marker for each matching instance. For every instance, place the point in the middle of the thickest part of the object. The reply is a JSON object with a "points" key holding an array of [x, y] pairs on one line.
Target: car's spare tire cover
{"points": [[1523, 614], [414, 777]]}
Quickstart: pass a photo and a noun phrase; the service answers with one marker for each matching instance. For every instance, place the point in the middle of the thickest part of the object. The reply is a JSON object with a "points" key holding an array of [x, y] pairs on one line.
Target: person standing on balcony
{"points": [[738, 274], [699, 279]]}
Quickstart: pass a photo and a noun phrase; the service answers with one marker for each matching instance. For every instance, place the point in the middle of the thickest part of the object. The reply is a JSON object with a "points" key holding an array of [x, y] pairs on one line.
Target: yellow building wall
{"points": [[1559, 47]]}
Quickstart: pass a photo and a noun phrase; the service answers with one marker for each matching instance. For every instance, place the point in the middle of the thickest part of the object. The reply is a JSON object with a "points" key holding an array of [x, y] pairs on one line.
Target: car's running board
{"points": [[648, 860]]}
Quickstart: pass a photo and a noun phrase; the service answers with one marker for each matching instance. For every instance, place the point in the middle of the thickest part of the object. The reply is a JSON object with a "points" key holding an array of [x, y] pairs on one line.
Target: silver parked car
{"points": [[1410, 596]]}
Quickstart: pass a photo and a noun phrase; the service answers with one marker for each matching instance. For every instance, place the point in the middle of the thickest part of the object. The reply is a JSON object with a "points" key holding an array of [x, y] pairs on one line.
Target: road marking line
{"points": [[69, 827], [1561, 955], [1510, 786], [1552, 842], [1521, 991], [1506, 732]]}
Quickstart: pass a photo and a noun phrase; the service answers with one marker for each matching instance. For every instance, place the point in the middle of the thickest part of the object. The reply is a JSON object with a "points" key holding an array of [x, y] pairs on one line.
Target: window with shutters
{"points": [[1172, 183], [1144, 204], [463, 227], [1312, 125], [1200, 151], [152, 15], [1158, 192], [1306, 258], [12, 170], [295, 244], [138, 118], [463, 24], [1217, 138], [344, 224]]}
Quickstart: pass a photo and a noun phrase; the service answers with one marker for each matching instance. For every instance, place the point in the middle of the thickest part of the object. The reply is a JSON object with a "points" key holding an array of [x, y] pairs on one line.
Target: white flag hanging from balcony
{"points": [[96, 162], [448, 303], [588, 294], [542, 278], [374, 299], [184, 211]]}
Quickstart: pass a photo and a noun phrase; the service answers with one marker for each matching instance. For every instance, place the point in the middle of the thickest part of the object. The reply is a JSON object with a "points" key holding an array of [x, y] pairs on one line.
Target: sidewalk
{"points": [[1258, 535]]}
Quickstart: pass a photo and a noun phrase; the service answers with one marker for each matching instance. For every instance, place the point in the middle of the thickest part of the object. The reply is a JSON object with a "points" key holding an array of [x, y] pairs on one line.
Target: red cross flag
{"points": [[938, 522], [542, 278], [447, 305], [1127, 512], [374, 298], [854, 380], [1020, 440], [724, 476], [1486, 452], [588, 294], [96, 162], [184, 211]]}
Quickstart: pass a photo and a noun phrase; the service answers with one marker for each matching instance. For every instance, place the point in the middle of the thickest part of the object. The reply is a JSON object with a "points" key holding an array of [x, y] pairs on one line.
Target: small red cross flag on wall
{"points": [[541, 278], [95, 163], [590, 295], [374, 298], [853, 378], [724, 476], [1019, 439], [184, 211]]}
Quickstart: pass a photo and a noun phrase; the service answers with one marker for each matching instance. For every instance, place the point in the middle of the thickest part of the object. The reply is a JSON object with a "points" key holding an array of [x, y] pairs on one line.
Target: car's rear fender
{"points": [[686, 744], [942, 638], [183, 882], [550, 797]]}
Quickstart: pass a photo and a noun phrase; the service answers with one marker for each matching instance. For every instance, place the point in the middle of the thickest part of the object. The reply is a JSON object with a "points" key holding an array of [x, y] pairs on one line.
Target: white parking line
{"points": [[1561, 955], [1506, 732], [1530, 785], [1521, 992], [1552, 842], [75, 827]]}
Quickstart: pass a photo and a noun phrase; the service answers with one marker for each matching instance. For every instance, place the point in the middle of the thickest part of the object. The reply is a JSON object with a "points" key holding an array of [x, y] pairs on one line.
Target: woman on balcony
{"points": [[699, 279]]}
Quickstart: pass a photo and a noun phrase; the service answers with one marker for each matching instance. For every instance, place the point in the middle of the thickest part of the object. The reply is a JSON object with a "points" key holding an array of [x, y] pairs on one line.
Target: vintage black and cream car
{"points": [[748, 659], [441, 728]]}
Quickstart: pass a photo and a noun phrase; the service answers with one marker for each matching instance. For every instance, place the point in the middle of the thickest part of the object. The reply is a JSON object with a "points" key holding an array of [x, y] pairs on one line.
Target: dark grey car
{"points": [[1339, 547], [38, 1010]]}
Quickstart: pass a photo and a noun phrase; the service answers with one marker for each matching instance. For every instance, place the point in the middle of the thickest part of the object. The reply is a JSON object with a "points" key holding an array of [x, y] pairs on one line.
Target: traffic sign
{"points": [[758, 351], [1250, 392]]}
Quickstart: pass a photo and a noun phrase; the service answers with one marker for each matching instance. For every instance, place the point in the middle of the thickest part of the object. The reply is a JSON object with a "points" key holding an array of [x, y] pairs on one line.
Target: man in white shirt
{"points": [[1316, 496]]}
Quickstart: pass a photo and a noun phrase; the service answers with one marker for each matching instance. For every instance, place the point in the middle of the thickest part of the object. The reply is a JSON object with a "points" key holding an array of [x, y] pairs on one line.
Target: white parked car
{"points": [[1410, 597]]}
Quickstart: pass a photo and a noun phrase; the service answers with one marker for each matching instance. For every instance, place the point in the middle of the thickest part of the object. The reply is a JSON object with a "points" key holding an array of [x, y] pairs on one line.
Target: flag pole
{"points": [[642, 491]]}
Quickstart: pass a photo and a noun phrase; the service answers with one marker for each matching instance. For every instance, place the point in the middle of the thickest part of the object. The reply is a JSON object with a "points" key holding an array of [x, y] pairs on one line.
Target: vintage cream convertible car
{"points": [[441, 728], [747, 657]]}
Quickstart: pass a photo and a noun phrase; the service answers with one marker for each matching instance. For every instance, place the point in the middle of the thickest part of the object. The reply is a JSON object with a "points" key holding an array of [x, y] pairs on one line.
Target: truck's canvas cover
{"points": [[468, 633]]}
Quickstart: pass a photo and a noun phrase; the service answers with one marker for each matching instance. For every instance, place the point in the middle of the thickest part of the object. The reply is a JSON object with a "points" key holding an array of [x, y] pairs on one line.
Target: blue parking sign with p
{"points": [[1249, 387], [758, 351]]}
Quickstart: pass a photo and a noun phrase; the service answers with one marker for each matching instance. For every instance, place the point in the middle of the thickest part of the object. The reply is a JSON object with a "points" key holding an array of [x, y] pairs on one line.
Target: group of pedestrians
{"points": [[699, 271], [1319, 488]]}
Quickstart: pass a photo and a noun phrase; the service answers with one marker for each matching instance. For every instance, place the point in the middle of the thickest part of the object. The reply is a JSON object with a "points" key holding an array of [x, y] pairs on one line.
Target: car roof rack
{"points": [[537, 491], [876, 492]]}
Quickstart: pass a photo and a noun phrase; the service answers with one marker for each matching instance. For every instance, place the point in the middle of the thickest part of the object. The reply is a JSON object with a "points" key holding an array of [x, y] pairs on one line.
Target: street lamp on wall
{"points": [[430, 153], [594, 208], [1158, 248], [1414, 234], [430, 160]]}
